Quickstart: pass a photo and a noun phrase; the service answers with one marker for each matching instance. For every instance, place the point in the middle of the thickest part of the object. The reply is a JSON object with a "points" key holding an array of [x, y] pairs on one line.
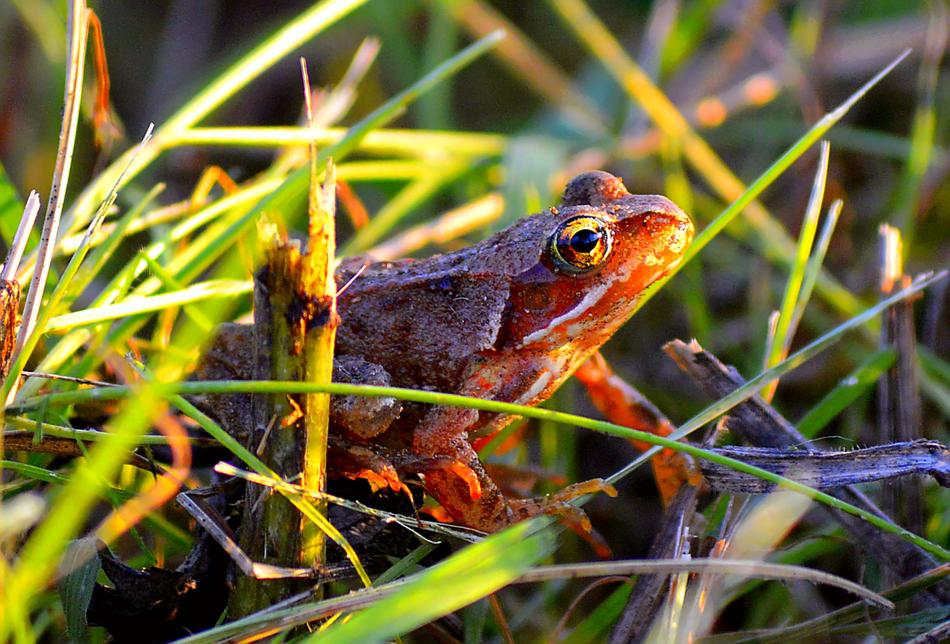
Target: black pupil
{"points": [[585, 240]]}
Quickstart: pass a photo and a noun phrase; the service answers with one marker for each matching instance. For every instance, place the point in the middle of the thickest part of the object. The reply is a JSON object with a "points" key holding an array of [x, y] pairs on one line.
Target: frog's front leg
{"points": [[465, 490]]}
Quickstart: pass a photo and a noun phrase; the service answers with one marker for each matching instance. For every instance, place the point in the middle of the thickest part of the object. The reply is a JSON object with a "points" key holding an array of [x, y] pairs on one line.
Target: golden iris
{"points": [[581, 243]]}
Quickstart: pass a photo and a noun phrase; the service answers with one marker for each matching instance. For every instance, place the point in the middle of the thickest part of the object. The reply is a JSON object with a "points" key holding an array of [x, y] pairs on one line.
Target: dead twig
{"points": [[830, 469], [758, 424]]}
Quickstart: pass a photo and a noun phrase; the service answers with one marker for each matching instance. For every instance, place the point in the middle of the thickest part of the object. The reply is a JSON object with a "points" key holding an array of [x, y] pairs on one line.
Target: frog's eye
{"points": [[580, 244]]}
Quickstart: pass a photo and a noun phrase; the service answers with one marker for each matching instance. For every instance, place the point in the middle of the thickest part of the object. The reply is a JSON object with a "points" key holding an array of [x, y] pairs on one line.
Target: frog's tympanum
{"points": [[506, 319]]}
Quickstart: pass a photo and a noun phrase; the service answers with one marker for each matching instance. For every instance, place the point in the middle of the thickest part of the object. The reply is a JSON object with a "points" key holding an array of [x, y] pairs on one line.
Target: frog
{"points": [[507, 319]]}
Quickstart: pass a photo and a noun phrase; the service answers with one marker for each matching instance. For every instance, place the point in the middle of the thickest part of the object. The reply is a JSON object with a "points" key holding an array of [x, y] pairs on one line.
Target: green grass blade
{"points": [[469, 575], [813, 269], [75, 589], [593, 627], [710, 414], [171, 284], [261, 58], [399, 206], [62, 290], [785, 329], [94, 265], [848, 390], [212, 289], [934, 364], [407, 143]]}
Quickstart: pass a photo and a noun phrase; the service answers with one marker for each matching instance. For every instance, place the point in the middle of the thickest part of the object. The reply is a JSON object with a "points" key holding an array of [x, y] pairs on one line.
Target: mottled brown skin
{"points": [[505, 320]]}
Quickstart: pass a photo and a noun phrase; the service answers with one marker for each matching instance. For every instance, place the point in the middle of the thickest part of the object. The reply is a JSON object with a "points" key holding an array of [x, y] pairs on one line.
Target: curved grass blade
{"points": [[785, 329], [708, 415], [469, 575], [211, 289], [261, 58], [848, 390], [598, 39]]}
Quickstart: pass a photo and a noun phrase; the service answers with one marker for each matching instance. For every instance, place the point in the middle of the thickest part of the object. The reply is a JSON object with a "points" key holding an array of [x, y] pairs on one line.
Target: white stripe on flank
{"points": [[593, 296], [535, 389]]}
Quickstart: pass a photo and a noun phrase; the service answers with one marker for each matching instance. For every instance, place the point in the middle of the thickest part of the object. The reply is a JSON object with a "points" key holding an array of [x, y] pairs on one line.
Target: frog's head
{"points": [[603, 247]]}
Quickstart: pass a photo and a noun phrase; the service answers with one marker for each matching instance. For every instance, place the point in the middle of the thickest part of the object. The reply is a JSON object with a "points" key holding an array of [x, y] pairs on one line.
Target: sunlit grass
{"points": [[150, 279]]}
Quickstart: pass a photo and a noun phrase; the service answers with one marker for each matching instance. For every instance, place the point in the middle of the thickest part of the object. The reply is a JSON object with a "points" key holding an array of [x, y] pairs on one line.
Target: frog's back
{"points": [[424, 320]]}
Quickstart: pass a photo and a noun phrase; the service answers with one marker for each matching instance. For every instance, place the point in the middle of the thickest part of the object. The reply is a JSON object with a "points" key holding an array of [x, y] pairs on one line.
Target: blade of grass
{"points": [[77, 32], [933, 379], [594, 626], [707, 415], [213, 289], [785, 331], [171, 284], [815, 262], [377, 171], [28, 339], [469, 575], [103, 252], [777, 245], [707, 234], [435, 109], [402, 204], [258, 60], [453, 224], [409, 143], [746, 566], [84, 435], [848, 390], [405, 565]]}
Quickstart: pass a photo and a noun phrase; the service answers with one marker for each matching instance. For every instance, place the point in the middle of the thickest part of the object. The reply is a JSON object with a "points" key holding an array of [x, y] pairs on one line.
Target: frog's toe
{"points": [[559, 505], [463, 471], [357, 462]]}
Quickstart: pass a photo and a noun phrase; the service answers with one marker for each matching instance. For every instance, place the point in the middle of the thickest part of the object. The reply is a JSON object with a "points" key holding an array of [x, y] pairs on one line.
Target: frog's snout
{"points": [[655, 221], [667, 213]]}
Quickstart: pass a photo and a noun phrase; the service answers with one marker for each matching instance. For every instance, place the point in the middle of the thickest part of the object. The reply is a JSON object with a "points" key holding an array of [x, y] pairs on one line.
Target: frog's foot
{"points": [[559, 504], [356, 462], [361, 416], [519, 481]]}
